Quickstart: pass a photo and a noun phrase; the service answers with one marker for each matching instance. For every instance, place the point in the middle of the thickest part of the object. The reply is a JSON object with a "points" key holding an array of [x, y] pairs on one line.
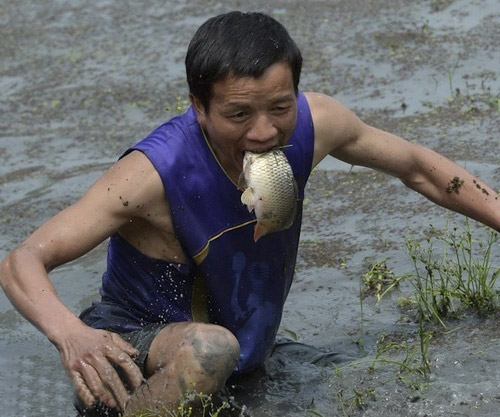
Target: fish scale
{"points": [[270, 191]]}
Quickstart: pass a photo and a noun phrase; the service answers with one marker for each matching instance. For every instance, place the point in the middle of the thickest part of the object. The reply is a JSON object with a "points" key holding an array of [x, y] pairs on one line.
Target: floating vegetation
{"points": [[454, 273], [380, 279], [192, 403]]}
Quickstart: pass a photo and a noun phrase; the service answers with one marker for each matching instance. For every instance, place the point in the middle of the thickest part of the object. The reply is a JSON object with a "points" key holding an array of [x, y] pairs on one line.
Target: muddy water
{"points": [[81, 83]]}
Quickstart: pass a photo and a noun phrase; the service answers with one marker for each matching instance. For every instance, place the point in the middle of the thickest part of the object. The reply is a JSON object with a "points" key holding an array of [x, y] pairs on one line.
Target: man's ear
{"points": [[198, 108]]}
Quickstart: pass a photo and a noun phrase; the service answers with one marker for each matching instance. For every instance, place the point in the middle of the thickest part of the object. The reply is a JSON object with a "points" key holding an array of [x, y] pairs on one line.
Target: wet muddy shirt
{"points": [[231, 280]]}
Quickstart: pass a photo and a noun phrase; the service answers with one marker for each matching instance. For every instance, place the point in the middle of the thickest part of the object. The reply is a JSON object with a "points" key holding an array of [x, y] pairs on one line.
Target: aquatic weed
{"points": [[395, 350], [410, 372], [380, 279], [411, 363], [461, 276], [312, 412], [356, 401], [180, 105], [186, 407]]}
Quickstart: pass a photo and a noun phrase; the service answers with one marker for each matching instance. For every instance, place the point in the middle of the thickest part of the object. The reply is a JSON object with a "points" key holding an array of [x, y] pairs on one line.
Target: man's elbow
{"points": [[6, 269], [415, 181], [14, 262], [417, 172]]}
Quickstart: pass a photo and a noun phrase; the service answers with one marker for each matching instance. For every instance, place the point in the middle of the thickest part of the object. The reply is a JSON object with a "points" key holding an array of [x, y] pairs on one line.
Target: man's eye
{"points": [[280, 109], [238, 116]]}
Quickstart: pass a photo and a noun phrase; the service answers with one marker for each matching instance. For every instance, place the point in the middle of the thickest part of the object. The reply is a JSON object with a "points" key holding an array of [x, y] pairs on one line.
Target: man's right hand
{"points": [[131, 189], [90, 357]]}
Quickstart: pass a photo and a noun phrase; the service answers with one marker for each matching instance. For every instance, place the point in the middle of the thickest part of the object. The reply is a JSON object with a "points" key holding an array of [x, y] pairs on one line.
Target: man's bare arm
{"points": [[124, 192], [339, 133]]}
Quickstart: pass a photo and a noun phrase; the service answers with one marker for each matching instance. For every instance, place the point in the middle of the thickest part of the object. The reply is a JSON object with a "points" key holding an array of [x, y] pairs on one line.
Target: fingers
{"points": [[90, 388], [110, 381], [96, 379], [91, 359], [125, 346], [124, 361], [82, 390]]}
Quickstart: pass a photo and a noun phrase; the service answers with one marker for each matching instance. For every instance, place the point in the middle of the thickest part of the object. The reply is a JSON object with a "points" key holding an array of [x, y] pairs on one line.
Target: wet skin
{"points": [[185, 357], [248, 114], [245, 114], [88, 354]]}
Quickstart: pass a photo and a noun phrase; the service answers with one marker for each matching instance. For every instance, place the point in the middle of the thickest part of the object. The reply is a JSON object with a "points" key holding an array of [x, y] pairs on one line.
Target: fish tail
{"points": [[259, 231]]}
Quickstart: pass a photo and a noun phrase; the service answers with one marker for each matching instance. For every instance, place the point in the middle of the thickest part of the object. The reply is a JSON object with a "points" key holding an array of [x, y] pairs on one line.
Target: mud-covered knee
{"points": [[216, 350]]}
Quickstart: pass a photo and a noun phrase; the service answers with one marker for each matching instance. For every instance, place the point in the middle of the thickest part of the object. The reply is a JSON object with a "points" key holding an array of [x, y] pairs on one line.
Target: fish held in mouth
{"points": [[269, 190]]}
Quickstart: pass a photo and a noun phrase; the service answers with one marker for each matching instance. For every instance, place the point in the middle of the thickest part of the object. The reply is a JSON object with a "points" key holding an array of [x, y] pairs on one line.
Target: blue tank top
{"points": [[230, 280]]}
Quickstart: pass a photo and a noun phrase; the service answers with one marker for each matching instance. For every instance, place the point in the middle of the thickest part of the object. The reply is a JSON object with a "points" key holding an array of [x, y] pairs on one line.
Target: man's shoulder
{"points": [[334, 124], [323, 105], [135, 168]]}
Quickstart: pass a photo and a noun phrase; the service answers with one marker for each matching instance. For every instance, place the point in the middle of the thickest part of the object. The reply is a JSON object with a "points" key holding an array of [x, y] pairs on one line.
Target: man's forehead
{"points": [[233, 76], [275, 85], [244, 99]]}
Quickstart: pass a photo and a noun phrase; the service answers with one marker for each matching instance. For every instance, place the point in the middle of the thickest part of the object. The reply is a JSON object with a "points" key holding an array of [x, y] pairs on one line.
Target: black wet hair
{"points": [[243, 44]]}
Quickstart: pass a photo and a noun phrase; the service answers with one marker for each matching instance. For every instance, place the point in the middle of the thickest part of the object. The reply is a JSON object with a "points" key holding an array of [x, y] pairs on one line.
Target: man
{"points": [[182, 301]]}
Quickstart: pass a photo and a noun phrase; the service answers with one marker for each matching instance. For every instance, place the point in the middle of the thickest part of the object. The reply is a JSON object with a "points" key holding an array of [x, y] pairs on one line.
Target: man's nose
{"points": [[263, 130]]}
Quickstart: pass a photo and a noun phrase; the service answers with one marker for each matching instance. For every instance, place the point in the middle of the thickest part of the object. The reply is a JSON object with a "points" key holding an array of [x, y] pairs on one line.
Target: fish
{"points": [[269, 190]]}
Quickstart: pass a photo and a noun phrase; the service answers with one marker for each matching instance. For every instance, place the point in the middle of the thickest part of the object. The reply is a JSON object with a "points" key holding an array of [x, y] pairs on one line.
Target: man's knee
{"points": [[185, 357], [204, 349], [214, 348]]}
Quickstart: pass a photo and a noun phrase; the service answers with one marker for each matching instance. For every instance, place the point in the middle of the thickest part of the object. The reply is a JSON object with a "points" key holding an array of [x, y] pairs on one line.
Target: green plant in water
{"points": [[380, 279], [460, 275], [186, 407], [452, 270], [294, 335], [356, 401], [361, 340], [179, 106], [493, 102], [311, 412], [411, 363], [412, 369], [463, 275]]}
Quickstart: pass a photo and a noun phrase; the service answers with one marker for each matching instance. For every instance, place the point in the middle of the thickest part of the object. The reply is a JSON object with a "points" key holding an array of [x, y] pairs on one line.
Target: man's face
{"points": [[249, 114]]}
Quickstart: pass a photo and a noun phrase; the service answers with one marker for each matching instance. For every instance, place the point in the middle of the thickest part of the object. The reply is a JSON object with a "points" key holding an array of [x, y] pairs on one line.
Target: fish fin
{"points": [[248, 199], [242, 184], [259, 231]]}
